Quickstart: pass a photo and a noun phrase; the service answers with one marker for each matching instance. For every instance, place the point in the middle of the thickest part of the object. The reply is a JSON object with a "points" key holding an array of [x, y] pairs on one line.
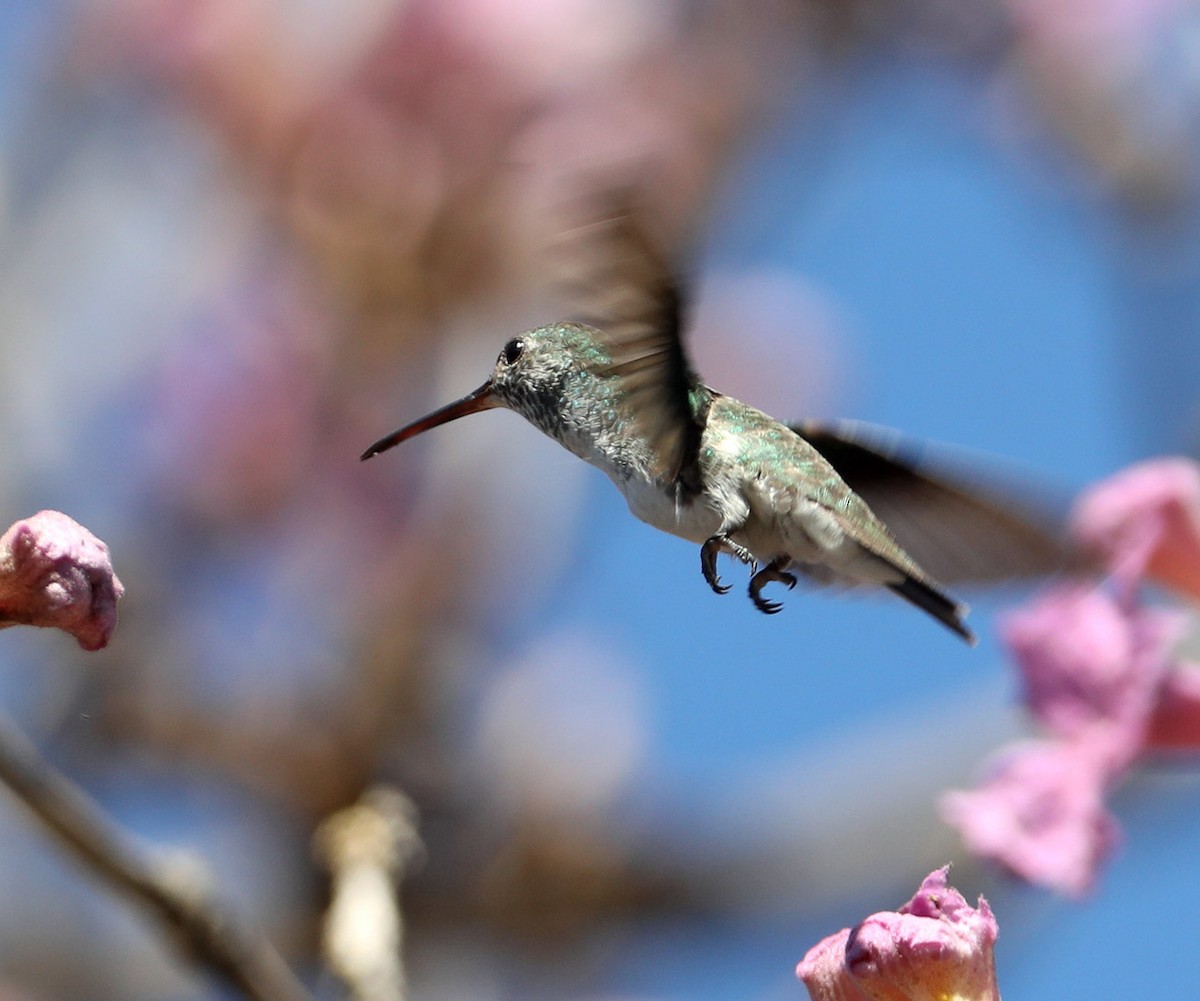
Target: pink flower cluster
{"points": [[54, 572], [936, 946], [1102, 680]]}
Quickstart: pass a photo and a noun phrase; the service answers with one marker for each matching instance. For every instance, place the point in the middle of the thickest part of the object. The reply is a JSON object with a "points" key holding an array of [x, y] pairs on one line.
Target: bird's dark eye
{"points": [[512, 351]]}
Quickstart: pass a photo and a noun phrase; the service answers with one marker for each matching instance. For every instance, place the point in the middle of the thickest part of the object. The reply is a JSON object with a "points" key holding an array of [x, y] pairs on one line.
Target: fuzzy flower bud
{"points": [[54, 572]]}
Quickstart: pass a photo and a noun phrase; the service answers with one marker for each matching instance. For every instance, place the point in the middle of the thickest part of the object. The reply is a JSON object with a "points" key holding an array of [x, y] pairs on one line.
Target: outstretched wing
{"points": [[615, 277], [959, 528]]}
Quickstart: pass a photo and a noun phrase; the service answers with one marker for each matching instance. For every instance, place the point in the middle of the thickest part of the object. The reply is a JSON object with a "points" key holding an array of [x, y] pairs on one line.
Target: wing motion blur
{"points": [[962, 527], [615, 277]]}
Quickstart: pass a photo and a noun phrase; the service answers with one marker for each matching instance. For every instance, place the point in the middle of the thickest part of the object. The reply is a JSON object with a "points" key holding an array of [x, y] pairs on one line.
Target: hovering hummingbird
{"points": [[614, 386]]}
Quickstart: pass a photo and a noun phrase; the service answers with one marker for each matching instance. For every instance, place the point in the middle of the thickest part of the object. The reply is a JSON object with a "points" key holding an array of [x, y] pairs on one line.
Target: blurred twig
{"points": [[177, 895], [366, 847]]}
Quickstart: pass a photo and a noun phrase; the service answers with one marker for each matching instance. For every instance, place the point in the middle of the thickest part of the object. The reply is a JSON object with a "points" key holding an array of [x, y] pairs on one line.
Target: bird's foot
{"points": [[773, 571], [708, 559]]}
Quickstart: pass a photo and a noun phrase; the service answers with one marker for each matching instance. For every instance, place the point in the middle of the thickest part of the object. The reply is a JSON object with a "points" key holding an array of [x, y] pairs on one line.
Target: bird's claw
{"points": [[708, 559], [772, 572]]}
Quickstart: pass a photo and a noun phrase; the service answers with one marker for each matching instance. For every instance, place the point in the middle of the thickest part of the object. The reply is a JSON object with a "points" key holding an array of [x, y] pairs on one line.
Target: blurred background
{"points": [[241, 239]]}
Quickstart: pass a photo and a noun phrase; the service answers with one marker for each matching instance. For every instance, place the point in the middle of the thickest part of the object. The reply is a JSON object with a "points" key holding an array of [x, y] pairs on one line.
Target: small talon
{"points": [[708, 559], [708, 565], [773, 571]]}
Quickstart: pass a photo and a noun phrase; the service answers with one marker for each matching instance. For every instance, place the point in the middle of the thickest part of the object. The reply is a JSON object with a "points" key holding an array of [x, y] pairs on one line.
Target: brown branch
{"points": [[177, 895]]}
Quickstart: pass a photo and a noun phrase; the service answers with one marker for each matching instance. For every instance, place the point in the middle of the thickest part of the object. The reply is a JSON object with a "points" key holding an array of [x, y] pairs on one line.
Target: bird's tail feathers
{"points": [[929, 599]]}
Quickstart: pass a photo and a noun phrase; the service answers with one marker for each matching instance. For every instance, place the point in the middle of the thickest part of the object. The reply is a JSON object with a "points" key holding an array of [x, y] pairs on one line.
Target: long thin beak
{"points": [[472, 403]]}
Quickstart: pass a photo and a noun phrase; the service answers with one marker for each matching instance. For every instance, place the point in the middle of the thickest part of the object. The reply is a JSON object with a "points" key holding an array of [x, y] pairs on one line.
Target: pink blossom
{"points": [[934, 947], [1100, 675], [1091, 666], [54, 572], [1041, 813], [1094, 670], [1145, 522]]}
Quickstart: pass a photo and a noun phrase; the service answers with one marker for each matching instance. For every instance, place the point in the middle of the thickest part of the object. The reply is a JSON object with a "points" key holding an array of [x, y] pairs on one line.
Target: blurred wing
{"points": [[616, 279], [960, 529]]}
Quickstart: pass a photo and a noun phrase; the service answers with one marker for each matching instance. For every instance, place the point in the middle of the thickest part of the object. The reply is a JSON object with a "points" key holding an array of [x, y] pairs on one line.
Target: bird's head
{"points": [[538, 374]]}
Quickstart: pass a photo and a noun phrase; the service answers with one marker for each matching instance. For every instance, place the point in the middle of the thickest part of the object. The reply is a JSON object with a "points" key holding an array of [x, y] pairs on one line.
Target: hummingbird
{"points": [[829, 501]]}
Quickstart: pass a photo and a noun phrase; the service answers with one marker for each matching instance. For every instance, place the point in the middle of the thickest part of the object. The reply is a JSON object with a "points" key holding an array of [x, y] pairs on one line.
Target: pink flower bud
{"points": [[936, 946], [54, 572]]}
